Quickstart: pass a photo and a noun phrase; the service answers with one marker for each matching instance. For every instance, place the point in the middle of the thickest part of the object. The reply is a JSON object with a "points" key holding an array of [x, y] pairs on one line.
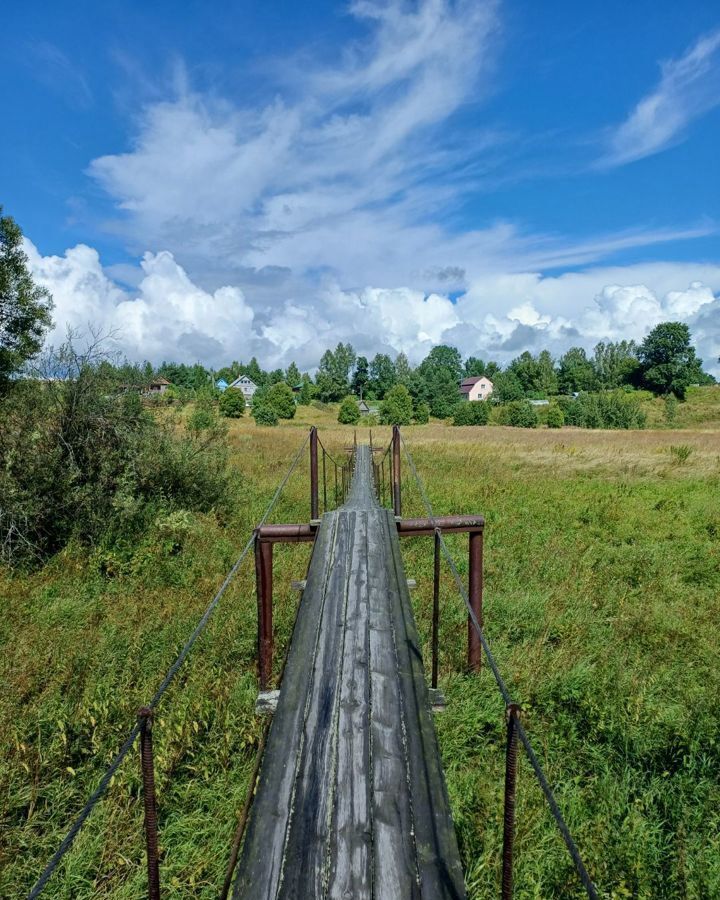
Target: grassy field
{"points": [[602, 602]]}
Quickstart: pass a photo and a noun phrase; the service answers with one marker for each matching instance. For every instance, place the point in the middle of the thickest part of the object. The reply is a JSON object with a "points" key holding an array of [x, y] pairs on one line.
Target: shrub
{"points": [[474, 412], [607, 409], [201, 418], [518, 414], [349, 412], [264, 414], [232, 404], [84, 461], [422, 413], [397, 408], [281, 399], [555, 417]]}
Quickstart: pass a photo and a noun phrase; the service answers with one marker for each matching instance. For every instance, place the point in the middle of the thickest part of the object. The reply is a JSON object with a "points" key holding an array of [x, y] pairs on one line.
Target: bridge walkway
{"points": [[351, 798]]}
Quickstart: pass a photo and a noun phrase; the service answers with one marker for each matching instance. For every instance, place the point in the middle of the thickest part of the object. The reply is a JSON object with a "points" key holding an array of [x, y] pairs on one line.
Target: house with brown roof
{"points": [[158, 386], [476, 388]]}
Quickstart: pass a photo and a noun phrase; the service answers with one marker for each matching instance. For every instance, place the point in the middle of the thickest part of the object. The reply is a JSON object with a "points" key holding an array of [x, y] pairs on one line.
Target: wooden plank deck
{"points": [[351, 799]]}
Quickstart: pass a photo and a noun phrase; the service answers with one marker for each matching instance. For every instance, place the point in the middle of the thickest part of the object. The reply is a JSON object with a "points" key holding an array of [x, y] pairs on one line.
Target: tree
{"points": [[403, 370], [507, 387], [422, 413], [255, 373], [537, 376], [232, 403], [382, 375], [333, 373], [615, 364], [280, 398], [474, 367], [440, 373], [293, 376], [361, 377], [349, 412], [397, 408], [491, 370], [576, 372], [668, 362], [307, 391], [24, 306]]}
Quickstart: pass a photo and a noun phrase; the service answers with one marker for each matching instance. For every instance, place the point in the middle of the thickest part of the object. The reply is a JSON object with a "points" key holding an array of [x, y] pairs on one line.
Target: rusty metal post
{"points": [[313, 473], [324, 481], [145, 716], [397, 499], [436, 610], [264, 590], [511, 757], [382, 489], [475, 594]]}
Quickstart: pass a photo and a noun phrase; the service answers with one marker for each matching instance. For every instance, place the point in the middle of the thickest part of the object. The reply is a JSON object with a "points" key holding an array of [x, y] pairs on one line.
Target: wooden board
{"points": [[351, 799]]}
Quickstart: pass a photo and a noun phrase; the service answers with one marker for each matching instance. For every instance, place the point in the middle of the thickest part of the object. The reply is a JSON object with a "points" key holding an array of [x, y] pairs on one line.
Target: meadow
{"points": [[602, 601]]}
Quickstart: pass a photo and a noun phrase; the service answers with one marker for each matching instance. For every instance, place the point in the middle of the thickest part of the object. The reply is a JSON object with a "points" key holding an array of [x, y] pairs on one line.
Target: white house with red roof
{"points": [[476, 388]]}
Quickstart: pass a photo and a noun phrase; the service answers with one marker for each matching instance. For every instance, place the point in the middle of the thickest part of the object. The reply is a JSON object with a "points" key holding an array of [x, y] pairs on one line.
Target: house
{"points": [[246, 385], [158, 386], [221, 385], [476, 388]]}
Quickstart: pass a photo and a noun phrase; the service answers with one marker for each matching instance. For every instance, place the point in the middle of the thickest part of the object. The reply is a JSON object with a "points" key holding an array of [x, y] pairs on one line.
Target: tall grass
{"points": [[602, 586]]}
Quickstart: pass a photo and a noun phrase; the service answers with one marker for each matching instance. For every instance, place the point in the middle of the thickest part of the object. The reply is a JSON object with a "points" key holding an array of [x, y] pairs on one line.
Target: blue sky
{"points": [[220, 179]]}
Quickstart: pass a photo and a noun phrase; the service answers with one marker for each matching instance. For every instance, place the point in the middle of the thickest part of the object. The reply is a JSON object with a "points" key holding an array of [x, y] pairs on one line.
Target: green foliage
{"points": [[232, 403], [518, 414], [383, 375], [615, 364], [333, 378], [575, 372], [671, 406], [422, 413], [403, 370], [193, 378], [680, 453], [264, 414], [668, 362], [361, 377], [24, 307], [280, 398], [83, 460], [397, 408], [555, 417], [473, 367], [476, 412], [507, 387], [537, 376], [349, 412], [607, 409], [202, 417]]}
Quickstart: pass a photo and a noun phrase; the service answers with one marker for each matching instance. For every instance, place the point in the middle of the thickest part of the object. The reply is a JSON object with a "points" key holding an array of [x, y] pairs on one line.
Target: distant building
{"points": [[364, 408], [540, 402], [476, 388], [246, 385], [158, 386], [221, 384]]}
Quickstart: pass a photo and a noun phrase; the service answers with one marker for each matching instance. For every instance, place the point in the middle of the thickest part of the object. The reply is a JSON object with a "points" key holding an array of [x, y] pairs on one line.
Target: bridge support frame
{"points": [[474, 526]]}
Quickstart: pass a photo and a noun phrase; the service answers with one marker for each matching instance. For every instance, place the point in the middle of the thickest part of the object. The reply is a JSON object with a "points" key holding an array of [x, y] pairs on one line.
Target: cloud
{"points": [[167, 315], [689, 86], [52, 68]]}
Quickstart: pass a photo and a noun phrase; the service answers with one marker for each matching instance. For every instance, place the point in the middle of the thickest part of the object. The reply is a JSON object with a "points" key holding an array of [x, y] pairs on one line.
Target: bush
{"points": [[607, 409], [422, 413], [475, 412], [518, 414], [555, 417], [202, 417], [349, 412], [397, 408], [264, 414], [83, 460], [281, 399], [232, 404]]}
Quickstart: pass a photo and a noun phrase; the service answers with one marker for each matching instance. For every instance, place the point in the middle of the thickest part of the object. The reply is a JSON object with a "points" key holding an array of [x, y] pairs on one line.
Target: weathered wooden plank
{"points": [[351, 800]]}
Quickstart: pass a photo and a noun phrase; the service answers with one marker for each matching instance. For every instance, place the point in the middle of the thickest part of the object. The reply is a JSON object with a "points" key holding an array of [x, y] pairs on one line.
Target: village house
{"points": [[158, 386], [477, 388], [246, 385]]}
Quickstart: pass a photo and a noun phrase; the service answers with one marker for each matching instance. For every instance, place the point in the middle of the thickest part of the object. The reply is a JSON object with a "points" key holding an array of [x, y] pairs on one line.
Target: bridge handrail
{"points": [[582, 872], [97, 794]]}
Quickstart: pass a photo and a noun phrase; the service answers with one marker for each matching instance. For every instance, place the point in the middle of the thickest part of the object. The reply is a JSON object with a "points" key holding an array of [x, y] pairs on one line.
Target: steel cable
{"points": [[534, 761], [67, 841]]}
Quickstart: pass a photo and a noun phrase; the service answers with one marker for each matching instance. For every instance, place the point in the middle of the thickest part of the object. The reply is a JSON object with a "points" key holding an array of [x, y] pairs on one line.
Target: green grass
{"points": [[602, 598]]}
